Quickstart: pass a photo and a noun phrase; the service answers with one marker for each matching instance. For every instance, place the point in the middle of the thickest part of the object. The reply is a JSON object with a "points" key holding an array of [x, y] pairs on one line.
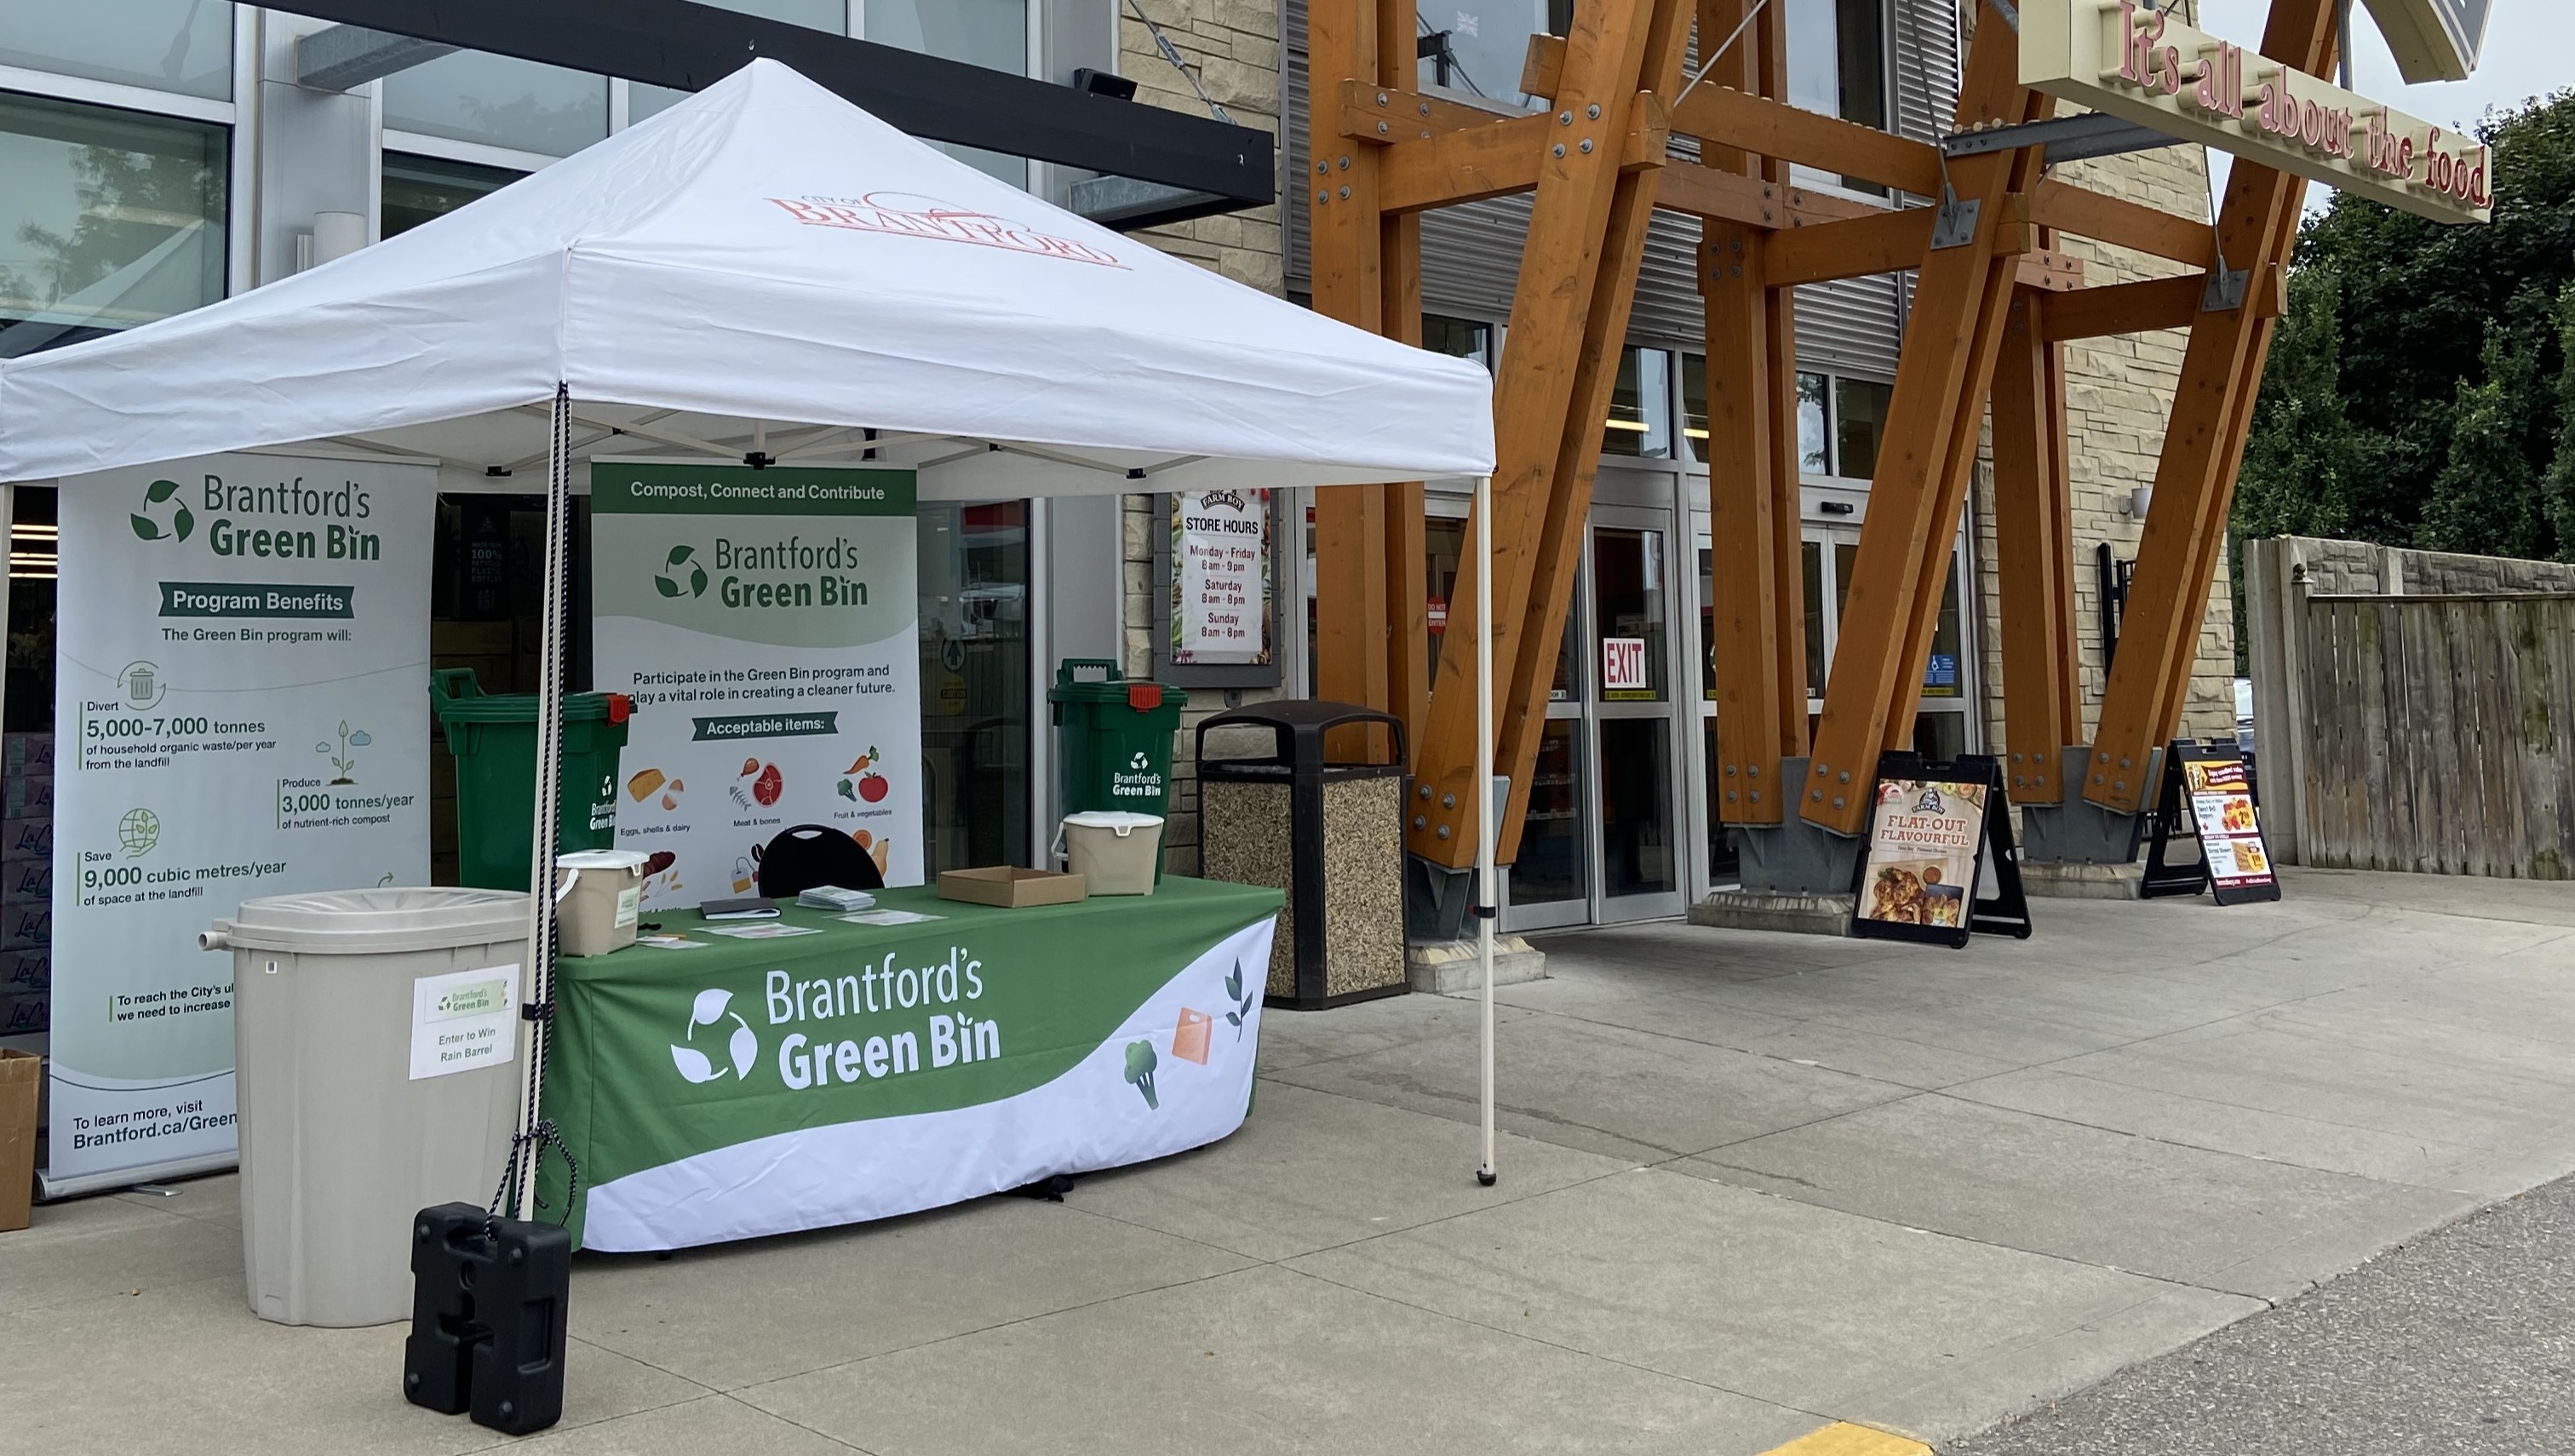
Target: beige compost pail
{"points": [[599, 896], [1113, 851]]}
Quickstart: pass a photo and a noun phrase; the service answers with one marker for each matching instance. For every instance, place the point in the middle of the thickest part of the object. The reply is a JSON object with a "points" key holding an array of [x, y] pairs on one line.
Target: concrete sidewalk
{"points": [[1752, 1184]]}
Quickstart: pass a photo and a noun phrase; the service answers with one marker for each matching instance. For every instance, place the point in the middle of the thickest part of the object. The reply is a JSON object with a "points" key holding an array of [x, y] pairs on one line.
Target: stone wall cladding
{"points": [[1232, 46], [2328, 567]]}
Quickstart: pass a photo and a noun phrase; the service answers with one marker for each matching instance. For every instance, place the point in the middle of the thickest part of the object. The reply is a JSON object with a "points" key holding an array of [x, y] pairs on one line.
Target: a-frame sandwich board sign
{"points": [[2208, 793], [1939, 836]]}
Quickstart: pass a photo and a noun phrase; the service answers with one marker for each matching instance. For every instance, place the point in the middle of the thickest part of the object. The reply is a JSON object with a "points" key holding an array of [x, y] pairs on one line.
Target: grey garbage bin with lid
{"points": [[346, 1132]]}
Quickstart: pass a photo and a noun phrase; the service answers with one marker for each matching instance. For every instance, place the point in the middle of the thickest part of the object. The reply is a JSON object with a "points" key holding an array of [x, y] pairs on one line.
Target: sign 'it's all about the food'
{"points": [[2135, 62]]}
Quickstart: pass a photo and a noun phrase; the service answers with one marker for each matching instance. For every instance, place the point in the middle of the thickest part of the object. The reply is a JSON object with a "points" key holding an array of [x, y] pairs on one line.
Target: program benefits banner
{"points": [[241, 710], [767, 623]]}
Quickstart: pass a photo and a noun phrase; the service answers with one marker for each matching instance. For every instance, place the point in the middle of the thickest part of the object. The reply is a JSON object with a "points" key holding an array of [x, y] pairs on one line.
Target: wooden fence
{"points": [[2438, 733]]}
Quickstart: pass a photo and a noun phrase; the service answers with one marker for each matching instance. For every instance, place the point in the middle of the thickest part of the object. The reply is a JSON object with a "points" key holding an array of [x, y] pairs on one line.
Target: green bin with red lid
{"points": [[1112, 739], [493, 737]]}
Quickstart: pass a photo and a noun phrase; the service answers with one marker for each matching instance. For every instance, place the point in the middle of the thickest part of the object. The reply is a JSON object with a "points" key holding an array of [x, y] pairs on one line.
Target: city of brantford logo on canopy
{"points": [[911, 215]]}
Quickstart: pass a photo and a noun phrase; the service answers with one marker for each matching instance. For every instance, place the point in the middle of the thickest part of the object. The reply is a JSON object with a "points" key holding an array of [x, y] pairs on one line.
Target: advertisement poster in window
{"points": [[1220, 579]]}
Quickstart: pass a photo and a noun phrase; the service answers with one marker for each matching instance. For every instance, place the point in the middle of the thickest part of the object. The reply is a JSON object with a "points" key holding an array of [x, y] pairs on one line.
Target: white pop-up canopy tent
{"points": [[768, 268]]}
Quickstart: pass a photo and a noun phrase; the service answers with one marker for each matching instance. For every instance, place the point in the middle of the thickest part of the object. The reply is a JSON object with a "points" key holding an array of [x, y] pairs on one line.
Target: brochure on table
{"points": [[241, 645], [766, 622]]}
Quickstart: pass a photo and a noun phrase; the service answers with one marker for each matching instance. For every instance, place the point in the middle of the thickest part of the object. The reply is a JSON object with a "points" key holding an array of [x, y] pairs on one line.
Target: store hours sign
{"points": [[1220, 578]]}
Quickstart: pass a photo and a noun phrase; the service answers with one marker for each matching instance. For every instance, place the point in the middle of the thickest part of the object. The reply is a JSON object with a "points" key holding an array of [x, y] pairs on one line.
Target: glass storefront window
{"points": [[1693, 407], [824, 15], [1708, 623], [1477, 45], [1550, 866], [1944, 675], [1456, 338], [1637, 838], [1640, 406], [499, 101], [1443, 540], [975, 707], [1811, 568], [417, 189], [1838, 64], [988, 33], [1725, 859], [1628, 614], [1859, 424], [111, 219], [184, 46], [1812, 431]]}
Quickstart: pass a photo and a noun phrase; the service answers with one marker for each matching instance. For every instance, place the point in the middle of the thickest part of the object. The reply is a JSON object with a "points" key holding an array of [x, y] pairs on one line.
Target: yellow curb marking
{"points": [[1842, 1438]]}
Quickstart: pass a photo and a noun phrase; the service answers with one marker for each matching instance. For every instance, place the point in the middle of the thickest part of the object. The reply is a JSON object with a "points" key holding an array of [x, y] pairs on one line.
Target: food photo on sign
{"points": [[1922, 853]]}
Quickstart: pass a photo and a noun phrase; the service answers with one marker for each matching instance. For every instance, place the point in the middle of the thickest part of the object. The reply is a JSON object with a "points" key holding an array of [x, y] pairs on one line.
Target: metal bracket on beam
{"points": [[2225, 293], [1955, 224], [345, 56], [1126, 205], [2066, 138]]}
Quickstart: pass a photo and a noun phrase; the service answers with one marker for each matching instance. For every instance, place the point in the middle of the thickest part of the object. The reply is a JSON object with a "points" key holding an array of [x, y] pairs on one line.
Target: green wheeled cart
{"points": [[494, 741]]}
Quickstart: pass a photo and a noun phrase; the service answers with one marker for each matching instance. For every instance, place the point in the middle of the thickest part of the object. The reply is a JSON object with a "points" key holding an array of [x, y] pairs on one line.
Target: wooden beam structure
{"points": [[2035, 544], [2204, 443], [1996, 299], [1756, 561]]}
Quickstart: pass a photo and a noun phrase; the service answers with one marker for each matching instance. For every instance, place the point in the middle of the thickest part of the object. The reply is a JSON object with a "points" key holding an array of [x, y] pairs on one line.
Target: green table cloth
{"points": [[759, 1086]]}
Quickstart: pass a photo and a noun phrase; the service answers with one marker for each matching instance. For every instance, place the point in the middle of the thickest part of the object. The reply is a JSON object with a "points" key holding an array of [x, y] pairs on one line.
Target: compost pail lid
{"points": [[600, 860], [1119, 819], [385, 920]]}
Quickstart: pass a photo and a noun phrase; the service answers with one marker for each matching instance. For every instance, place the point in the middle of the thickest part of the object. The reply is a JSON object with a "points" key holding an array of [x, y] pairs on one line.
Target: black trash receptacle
{"points": [[1329, 835]]}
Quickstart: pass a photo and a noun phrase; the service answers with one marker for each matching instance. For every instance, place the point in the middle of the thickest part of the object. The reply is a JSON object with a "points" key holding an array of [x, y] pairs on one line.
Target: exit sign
{"points": [[1622, 664]]}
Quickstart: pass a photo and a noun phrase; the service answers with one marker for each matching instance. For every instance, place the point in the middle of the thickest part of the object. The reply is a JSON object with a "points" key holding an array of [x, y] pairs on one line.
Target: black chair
{"points": [[811, 854]]}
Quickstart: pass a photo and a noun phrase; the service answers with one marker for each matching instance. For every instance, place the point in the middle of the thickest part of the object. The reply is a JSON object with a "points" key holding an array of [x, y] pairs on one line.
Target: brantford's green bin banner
{"points": [[766, 622], [758, 1086]]}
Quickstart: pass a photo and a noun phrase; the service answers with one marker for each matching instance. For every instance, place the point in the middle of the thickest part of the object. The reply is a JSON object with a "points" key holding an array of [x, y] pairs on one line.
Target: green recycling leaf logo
{"points": [[665, 581], [181, 523], [1139, 762], [742, 1048]]}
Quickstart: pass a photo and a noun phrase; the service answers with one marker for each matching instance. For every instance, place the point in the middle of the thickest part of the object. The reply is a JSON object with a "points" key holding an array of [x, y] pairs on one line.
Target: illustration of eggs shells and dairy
{"points": [[661, 868]]}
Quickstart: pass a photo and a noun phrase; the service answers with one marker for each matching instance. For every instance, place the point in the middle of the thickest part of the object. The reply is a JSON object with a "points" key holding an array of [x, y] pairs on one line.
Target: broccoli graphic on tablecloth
{"points": [[1141, 1063]]}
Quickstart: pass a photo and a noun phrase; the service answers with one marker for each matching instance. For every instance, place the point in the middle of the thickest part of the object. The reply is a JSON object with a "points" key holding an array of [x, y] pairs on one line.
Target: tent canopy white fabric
{"points": [[767, 251]]}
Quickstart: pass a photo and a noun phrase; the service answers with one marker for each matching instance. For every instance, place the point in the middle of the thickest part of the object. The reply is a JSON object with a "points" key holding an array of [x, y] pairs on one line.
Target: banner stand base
{"points": [[51, 1189]]}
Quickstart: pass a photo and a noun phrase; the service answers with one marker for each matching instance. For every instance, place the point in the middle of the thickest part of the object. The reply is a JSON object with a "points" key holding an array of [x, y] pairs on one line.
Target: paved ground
{"points": [[1752, 1183], [2463, 1341]]}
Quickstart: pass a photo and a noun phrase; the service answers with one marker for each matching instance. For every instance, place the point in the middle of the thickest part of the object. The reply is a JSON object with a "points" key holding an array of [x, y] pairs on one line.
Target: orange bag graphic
{"points": [[1189, 1038]]}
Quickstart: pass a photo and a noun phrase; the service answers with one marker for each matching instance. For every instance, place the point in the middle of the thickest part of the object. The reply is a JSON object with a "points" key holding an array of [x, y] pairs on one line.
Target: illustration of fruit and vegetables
{"points": [[878, 850], [864, 783]]}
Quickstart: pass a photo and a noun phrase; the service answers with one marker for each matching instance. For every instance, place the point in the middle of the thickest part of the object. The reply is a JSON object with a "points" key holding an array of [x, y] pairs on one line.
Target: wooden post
{"points": [[1351, 283], [2035, 547], [1755, 562], [2203, 446], [1940, 386], [1539, 390]]}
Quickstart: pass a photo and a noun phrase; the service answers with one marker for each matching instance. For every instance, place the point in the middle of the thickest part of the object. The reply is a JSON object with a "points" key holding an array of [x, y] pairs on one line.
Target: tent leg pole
{"points": [[1487, 900], [539, 983]]}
